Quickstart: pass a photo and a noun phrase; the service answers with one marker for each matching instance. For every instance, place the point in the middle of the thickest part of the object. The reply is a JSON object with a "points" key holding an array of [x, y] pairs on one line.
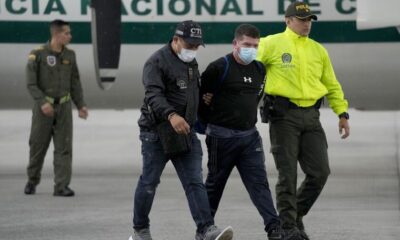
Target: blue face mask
{"points": [[247, 55]]}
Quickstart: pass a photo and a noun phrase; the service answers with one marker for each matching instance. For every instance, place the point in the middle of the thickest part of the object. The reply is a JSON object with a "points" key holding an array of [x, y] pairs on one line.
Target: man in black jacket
{"points": [[171, 78], [232, 86]]}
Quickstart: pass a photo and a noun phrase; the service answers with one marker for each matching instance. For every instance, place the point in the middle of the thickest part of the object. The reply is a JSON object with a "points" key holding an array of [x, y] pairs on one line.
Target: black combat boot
{"points": [[65, 192], [291, 233], [276, 233], [30, 189], [300, 226]]}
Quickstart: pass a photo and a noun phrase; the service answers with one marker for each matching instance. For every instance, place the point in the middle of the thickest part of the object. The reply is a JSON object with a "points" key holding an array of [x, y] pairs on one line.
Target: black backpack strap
{"points": [[223, 76]]}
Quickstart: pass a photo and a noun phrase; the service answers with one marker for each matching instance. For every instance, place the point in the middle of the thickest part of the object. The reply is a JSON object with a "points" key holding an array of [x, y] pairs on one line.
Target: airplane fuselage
{"points": [[366, 62]]}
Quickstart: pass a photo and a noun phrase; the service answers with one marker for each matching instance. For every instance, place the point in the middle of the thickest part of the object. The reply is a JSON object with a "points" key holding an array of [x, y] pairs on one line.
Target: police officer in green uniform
{"points": [[53, 81], [299, 75]]}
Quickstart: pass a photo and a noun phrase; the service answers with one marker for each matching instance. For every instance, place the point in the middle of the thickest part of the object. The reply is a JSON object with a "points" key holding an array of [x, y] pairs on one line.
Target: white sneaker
{"points": [[142, 234], [214, 233], [226, 234]]}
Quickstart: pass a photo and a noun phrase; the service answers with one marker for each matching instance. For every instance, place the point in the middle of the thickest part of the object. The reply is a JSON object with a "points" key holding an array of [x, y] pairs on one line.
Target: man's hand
{"points": [[179, 124], [47, 109], [344, 124], [207, 98], [83, 113]]}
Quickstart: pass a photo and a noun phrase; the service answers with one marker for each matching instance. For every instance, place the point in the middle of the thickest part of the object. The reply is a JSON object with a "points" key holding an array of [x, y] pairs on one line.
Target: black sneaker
{"points": [[65, 192], [30, 189], [304, 235], [276, 233], [300, 226]]}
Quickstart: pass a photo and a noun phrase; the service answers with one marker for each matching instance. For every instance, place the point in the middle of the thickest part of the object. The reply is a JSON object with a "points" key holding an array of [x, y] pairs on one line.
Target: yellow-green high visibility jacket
{"points": [[299, 68]]}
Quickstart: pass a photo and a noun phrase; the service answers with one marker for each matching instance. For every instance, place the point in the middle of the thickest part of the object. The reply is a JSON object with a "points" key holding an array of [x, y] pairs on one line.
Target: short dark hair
{"points": [[247, 30], [56, 25]]}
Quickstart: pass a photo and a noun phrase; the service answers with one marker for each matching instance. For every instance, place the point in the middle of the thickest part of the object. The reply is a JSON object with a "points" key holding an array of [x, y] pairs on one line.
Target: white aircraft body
{"points": [[364, 46]]}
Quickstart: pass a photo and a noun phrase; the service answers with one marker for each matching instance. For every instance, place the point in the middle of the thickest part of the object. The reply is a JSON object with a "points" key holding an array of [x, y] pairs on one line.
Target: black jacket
{"points": [[168, 88]]}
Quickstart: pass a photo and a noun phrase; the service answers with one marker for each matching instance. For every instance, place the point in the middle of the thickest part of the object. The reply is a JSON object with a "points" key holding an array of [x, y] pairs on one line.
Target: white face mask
{"points": [[187, 55]]}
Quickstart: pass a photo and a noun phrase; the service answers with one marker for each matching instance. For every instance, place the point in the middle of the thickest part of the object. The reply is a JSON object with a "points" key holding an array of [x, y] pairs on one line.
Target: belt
{"points": [[317, 105], [60, 100], [291, 105], [294, 106]]}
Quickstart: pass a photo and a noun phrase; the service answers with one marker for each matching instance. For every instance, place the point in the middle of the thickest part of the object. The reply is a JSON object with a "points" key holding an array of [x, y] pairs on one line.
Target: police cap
{"points": [[300, 10], [190, 32]]}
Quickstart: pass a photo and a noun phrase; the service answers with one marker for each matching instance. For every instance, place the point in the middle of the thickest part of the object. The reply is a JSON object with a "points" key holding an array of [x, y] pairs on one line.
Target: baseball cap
{"points": [[190, 32], [300, 10]]}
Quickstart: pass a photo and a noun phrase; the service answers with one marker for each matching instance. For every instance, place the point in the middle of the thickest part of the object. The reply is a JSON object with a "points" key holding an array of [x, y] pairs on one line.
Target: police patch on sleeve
{"points": [[51, 61]]}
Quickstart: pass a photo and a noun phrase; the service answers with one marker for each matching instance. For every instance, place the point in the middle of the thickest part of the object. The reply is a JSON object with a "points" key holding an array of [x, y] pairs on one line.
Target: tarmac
{"points": [[359, 202]]}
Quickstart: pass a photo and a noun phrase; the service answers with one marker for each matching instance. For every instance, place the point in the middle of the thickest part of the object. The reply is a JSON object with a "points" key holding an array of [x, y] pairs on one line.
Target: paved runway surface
{"points": [[359, 202]]}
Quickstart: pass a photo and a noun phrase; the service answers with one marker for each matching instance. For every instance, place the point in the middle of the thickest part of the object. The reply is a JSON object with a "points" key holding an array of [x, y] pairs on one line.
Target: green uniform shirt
{"points": [[53, 75], [299, 68]]}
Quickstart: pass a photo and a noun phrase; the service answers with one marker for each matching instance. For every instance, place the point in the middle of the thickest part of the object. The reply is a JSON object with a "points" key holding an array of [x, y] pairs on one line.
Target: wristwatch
{"points": [[344, 115]]}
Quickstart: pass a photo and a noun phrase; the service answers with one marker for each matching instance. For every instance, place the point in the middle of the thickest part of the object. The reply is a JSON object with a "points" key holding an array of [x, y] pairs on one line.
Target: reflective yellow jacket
{"points": [[299, 68]]}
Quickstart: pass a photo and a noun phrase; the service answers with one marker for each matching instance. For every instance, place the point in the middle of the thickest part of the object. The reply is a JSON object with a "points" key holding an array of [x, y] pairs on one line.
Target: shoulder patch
{"points": [[32, 57], [36, 50]]}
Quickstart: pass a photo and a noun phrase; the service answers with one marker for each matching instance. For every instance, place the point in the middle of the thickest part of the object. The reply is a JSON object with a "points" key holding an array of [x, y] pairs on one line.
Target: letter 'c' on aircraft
{"points": [[106, 38]]}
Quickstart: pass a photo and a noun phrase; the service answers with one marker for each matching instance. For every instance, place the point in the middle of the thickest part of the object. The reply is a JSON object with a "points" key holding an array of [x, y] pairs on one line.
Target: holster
{"points": [[266, 108]]}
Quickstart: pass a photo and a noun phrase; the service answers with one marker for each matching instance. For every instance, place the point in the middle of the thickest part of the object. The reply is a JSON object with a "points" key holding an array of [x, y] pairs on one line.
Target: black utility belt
{"points": [[292, 105], [277, 106]]}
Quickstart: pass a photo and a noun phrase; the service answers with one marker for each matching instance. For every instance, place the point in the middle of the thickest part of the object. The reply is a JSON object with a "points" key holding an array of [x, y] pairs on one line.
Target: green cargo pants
{"points": [[42, 130], [297, 136]]}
